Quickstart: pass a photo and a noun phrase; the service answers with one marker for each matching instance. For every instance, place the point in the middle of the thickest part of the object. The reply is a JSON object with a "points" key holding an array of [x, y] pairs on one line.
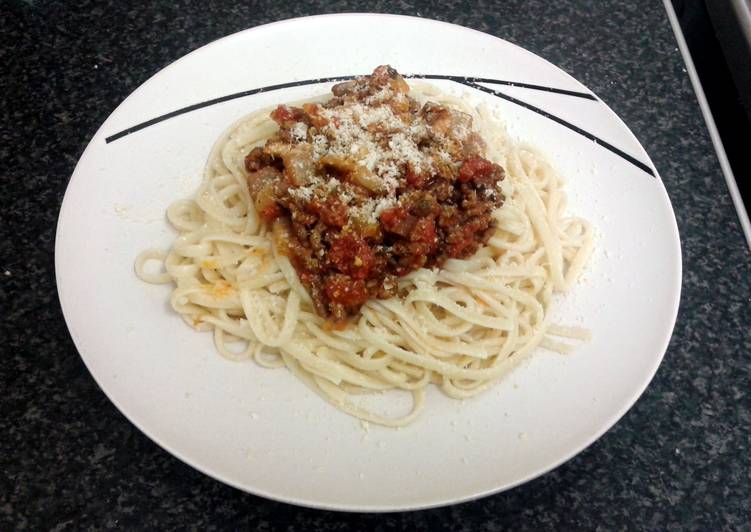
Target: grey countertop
{"points": [[680, 459]]}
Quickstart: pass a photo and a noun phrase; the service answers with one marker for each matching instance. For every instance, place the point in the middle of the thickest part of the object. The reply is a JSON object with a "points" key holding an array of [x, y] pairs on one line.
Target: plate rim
{"points": [[676, 290]]}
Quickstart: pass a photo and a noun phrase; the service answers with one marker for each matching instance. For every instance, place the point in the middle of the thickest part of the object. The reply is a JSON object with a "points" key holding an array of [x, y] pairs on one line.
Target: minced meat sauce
{"points": [[370, 186]]}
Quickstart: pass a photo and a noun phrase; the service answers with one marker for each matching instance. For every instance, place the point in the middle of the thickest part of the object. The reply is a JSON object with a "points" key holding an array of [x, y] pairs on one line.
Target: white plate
{"points": [[263, 431]]}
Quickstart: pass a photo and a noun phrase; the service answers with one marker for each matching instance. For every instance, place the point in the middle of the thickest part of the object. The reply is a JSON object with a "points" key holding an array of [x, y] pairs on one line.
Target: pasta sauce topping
{"points": [[370, 186]]}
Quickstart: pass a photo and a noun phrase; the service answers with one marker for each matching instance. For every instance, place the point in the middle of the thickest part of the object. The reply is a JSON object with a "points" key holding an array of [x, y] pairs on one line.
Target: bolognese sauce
{"points": [[370, 186]]}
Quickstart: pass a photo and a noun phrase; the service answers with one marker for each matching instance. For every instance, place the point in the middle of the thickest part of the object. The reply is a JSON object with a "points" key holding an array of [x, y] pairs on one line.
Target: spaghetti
{"points": [[461, 327]]}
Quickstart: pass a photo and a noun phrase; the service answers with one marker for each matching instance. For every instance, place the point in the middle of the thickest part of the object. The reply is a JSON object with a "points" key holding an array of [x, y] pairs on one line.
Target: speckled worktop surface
{"points": [[680, 459]]}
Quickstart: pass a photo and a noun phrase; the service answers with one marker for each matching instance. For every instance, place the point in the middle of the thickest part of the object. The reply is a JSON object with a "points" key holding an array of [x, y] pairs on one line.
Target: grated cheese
{"points": [[373, 137], [368, 133], [320, 145], [300, 131], [404, 148]]}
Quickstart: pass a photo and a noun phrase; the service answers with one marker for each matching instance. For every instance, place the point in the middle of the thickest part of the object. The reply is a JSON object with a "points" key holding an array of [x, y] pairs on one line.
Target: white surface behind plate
{"points": [[262, 430]]}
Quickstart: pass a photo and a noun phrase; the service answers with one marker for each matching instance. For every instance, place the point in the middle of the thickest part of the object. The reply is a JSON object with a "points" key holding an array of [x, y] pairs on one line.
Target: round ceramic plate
{"points": [[262, 430]]}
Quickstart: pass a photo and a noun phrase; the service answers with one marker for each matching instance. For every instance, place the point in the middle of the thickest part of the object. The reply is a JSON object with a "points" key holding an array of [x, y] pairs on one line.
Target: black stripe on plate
{"points": [[472, 82], [594, 138], [208, 103], [464, 80]]}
